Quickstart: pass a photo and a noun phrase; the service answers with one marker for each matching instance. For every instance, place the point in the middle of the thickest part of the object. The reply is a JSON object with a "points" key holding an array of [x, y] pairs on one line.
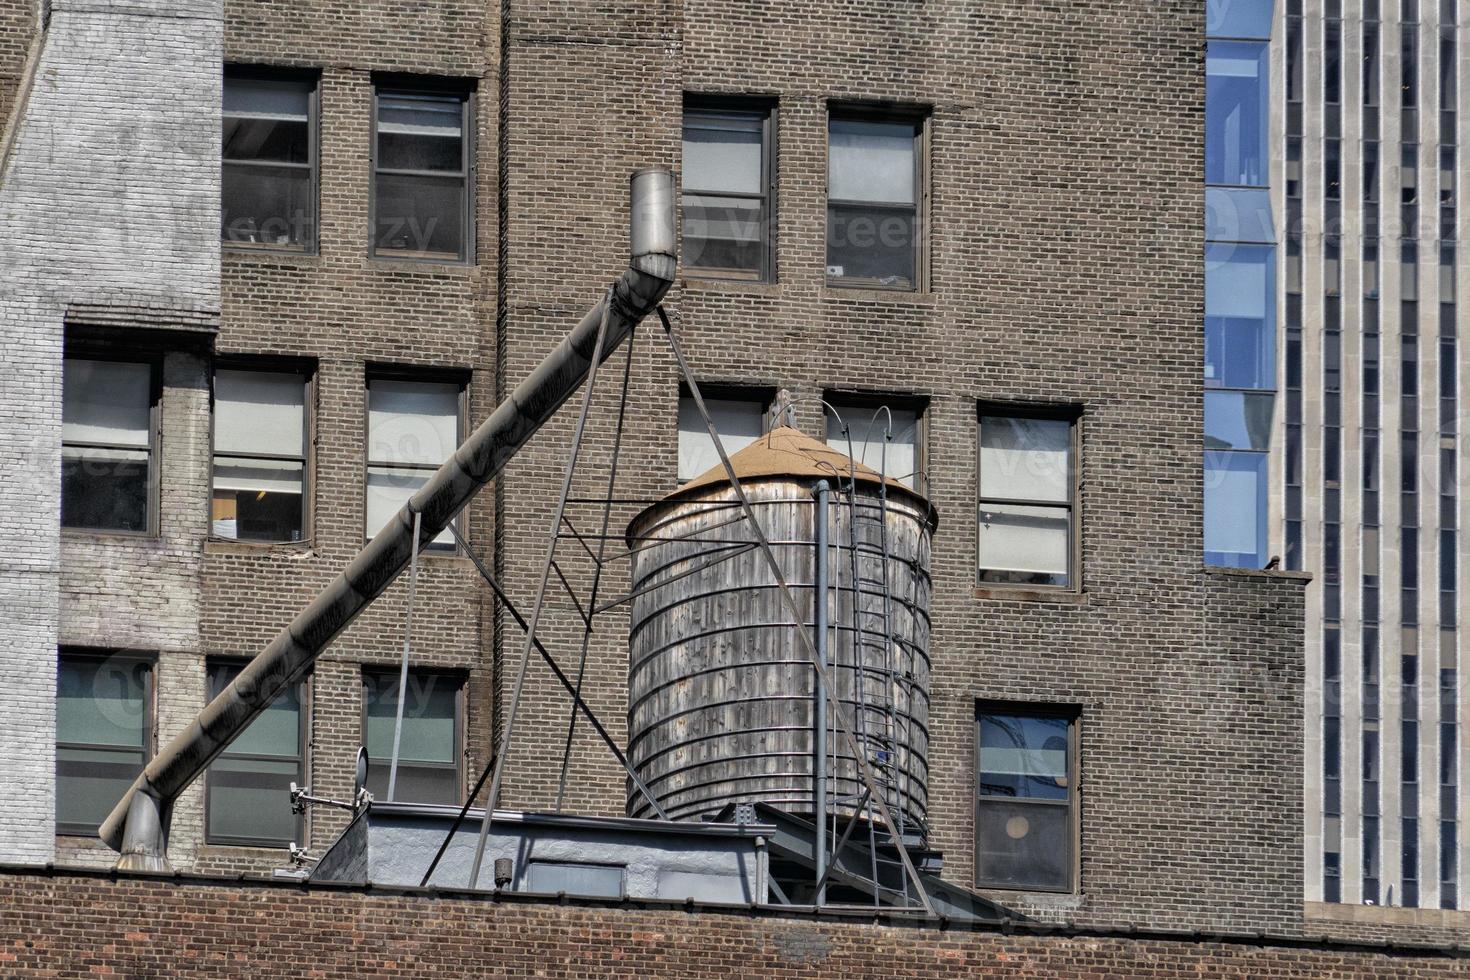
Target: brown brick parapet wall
{"points": [[66, 924]]}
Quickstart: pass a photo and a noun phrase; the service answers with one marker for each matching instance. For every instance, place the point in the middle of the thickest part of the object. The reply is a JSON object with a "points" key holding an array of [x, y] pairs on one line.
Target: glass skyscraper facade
{"points": [[1332, 173]]}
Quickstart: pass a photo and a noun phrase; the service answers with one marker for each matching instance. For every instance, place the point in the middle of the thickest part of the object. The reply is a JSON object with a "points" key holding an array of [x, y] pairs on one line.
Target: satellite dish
{"points": [[359, 775]]}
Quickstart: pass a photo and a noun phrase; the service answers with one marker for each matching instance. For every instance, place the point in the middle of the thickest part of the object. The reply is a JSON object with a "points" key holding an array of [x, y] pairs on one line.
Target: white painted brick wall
{"points": [[111, 197]]}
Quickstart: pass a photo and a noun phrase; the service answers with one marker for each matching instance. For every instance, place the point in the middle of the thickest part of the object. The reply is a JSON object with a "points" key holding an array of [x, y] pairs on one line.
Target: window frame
{"points": [[313, 78], [921, 117], [154, 360], [307, 369], [1072, 414], [303, 758], [445, 87], [724, 391], [420, 375], [150, 718], [1072, 713], [461, 680], [766, 108], [841, 398]]}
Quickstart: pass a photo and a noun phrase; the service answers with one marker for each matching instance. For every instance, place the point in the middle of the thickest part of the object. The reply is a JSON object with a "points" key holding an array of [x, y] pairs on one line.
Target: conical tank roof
{"points": [[785, 453]]}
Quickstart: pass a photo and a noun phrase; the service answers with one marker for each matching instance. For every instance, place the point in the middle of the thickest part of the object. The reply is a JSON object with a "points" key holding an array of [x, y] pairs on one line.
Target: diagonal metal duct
{"points": [[138, 825]]}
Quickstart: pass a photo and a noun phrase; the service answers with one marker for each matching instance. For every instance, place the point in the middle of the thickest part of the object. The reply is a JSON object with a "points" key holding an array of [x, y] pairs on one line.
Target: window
{"points": [[413, 427], [259, 455], [880, 434], [107, 444], [422, 162], [248, 786], [1235, 505], [104, 731], [1240, 316], [729, 189], [875, 188], [1236, 117], [554, 877], [1238, 18], [429, 749], [1028, 497], [739, 417], [269, 156], [1026, 798]]}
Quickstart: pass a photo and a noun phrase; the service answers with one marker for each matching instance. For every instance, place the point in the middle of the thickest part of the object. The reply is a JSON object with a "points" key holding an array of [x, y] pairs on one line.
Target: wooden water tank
{"points": [[720, 687]]}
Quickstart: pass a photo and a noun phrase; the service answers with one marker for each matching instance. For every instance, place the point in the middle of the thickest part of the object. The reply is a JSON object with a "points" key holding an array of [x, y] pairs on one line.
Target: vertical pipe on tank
{"points": [[819, 708]]}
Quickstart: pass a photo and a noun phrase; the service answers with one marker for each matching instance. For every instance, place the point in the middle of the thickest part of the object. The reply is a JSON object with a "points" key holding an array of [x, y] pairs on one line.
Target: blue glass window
{"points": [[1238, 420], [1235, 508], [1239, 18], [1240, 316], [1236, 92]]}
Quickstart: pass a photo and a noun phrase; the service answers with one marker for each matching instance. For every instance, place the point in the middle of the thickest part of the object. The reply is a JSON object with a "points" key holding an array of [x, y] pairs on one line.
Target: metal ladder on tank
{"points": [[881, 704]]}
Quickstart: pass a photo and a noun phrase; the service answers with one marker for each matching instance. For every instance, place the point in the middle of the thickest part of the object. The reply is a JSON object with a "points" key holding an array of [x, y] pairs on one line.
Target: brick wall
{"points": [[110, 198], [17, 30], [189, 928]]}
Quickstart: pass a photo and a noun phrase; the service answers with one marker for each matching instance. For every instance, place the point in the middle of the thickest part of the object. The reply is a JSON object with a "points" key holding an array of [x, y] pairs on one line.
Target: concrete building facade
{"points": [[447, 193], [1367, 455]]}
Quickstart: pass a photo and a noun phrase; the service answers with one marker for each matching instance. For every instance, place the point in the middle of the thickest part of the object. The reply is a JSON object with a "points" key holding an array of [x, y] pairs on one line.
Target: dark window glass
{"points": [[429, 744], [102, 735], [259, 455], [268, 150], [1371, 58], [1409, 66], [1332, 62], [106, 444], [1025, 800], [248, 786], [421, 185], [1236, 117], [874, 193], [1027, 499], [727, 192]]}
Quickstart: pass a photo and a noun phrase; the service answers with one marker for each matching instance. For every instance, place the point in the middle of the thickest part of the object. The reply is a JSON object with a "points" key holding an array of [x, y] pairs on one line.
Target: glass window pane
{"points": [[412, 422], [388, 489], [259, 412], [876, 243], [101, 701], [1029, 544], [722, 152], [420, 132], [551, 878], [1239, 214], [723, 233], [275, 731], [867, 440], [1022, 845], [738, 421], [89, 782], [256, 500], [416, 783], [1236, 117], [1235, 509], [1239, 18], [266, 98], [1025, 458], [420, 216], [1240, 316], [107, 402], [266, 205], [1238, 420], [250, 799], [104, 489], [428, 717], [872, 161], [1024, 757]]}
